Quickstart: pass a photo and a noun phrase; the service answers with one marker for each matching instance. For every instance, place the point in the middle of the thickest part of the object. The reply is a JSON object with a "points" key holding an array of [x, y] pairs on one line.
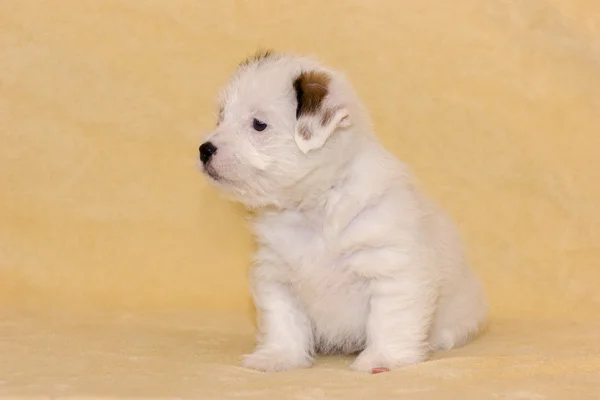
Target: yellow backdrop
{"points": [[103, 104]]}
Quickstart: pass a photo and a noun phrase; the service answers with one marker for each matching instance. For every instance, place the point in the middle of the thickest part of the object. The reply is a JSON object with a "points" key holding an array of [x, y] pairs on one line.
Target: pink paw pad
{"points": [[379, 370]]}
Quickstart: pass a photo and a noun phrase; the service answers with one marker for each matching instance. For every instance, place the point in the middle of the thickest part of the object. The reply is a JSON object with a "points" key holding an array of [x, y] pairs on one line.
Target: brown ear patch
{"points": [[260, 55], [311, 88]]}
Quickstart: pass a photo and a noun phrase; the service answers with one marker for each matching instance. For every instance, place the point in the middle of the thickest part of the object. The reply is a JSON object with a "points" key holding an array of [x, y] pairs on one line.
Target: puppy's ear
{"points": [[317, 116]]}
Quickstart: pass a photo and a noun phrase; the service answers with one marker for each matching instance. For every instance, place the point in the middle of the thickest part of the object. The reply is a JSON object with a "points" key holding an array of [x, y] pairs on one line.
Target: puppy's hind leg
{"points": [[461, 316]]}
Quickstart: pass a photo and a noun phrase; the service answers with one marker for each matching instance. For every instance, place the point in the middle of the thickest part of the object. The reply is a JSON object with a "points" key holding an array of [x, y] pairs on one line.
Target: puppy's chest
{"points": [[306, 251]]}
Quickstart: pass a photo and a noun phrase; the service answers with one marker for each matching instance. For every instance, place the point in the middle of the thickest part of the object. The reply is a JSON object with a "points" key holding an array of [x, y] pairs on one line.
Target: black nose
{"points": [[206, 151]]}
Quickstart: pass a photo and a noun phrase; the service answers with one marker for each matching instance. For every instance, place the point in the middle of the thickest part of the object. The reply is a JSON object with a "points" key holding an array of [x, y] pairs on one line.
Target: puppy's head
{"points": [[281, 119]]}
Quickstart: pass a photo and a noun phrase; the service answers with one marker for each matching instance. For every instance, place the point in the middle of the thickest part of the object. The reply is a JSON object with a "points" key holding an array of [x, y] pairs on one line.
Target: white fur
{"points": [[352, 257]]}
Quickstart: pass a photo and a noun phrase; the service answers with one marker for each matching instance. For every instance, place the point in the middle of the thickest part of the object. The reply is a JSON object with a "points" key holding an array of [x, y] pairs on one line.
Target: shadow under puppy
{"points": [[351, 256]]}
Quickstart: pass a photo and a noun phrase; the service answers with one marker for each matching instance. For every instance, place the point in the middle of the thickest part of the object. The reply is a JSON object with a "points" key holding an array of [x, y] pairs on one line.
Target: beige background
{"points": [[495, 104]]}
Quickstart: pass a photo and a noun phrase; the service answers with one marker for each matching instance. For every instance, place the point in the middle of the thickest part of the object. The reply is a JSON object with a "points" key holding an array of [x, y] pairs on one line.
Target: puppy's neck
{"points": [[356, 178]]}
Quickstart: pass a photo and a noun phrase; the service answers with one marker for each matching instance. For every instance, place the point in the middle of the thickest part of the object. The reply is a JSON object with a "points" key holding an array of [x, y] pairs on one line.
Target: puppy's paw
{"points": [[375, 362], [271, 360]]}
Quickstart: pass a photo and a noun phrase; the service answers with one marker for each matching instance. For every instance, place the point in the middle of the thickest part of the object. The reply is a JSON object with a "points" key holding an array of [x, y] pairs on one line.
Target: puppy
{"points": [[351, 256]]}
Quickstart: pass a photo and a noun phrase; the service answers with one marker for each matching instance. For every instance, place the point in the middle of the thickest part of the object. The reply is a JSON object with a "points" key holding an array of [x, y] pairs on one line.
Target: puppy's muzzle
{"points": [[207, 150]]}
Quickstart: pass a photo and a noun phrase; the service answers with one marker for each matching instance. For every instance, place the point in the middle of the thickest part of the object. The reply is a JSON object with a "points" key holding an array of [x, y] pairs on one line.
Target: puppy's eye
{"points": [[259, 125]]}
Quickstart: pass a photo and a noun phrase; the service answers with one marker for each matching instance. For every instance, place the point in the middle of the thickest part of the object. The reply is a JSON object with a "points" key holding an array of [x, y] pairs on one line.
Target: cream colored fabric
{"points": [[197, 356], [494, 103]]}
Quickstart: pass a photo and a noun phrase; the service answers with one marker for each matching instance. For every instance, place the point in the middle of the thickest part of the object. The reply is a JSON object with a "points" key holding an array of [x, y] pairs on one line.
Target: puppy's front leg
{"points": [[401, 312], [285, 331]]}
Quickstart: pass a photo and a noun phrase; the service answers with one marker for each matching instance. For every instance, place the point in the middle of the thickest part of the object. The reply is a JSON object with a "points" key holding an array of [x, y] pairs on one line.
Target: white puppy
{"points": [[352, 258]]}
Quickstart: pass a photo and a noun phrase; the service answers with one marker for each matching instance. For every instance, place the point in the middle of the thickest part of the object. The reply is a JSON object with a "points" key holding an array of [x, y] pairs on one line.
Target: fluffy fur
{"points": [[352, 257]]}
